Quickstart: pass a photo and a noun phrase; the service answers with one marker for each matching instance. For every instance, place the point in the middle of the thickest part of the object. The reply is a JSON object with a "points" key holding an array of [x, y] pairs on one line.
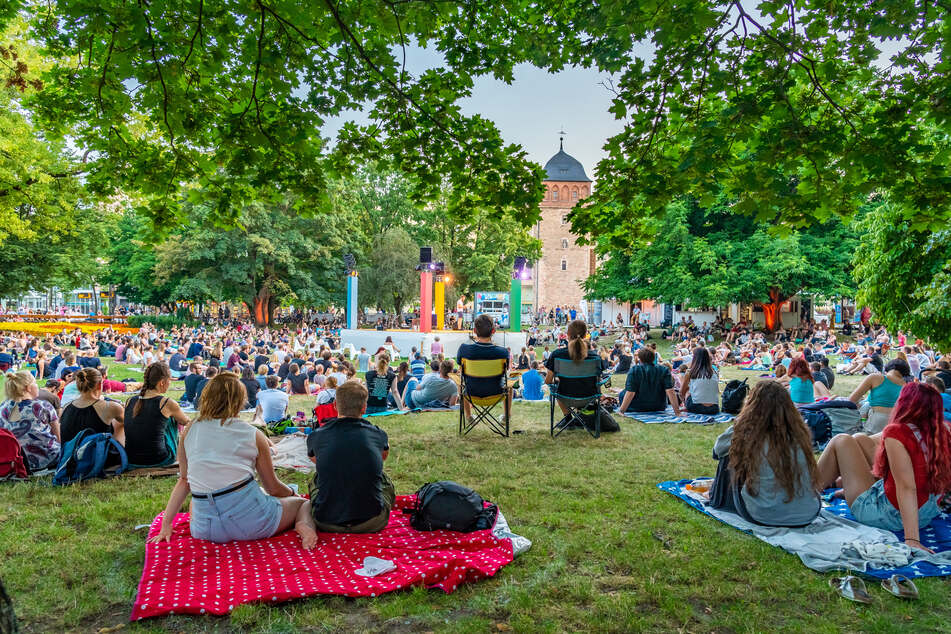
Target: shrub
{"points": [[164, 322]]}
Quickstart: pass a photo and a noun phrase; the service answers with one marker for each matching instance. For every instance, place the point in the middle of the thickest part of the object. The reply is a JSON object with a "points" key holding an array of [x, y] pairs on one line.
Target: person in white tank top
{"points": [[218, 456]]}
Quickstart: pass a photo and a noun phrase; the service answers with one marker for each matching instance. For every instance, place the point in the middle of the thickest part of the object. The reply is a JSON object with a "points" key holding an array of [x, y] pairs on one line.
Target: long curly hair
{"points": [[769, 416], [920, 404]]}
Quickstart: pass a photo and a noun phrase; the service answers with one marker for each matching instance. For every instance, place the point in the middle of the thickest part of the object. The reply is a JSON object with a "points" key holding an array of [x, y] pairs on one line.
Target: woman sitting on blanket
{"points": [[700, 386], [767, 471], [802, 388], [218, 456], [152, 420], [883, 391], [895, 484]]}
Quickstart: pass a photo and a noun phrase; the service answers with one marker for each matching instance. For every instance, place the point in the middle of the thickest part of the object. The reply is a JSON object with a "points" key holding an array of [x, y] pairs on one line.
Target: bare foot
{"points": [[840, 494], [308, 536]]}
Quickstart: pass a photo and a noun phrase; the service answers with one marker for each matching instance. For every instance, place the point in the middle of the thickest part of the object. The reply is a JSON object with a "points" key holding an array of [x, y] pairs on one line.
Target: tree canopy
{"points": [[711, 257]]}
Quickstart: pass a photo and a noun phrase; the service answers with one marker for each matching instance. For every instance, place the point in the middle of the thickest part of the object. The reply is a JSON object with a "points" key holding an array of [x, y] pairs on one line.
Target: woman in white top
{"points": [[700, 388], [218, 456]]}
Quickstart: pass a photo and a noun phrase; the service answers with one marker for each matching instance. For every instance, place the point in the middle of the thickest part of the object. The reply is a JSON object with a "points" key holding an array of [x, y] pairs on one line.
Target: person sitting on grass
{"points": [[297, 382], [802, 388], [151, 420], [883, 392], [577, 351], [381, 384], [700, 387], [483, 350], [218, 456], [939, 385], [329, 393], [767, 471], [251, 386], [32, 420], [532, 382], [272, 402], [90, 411], [647, 386], [900, 488], [210, 372], [436, 390], [350, 492], [192, 379]]}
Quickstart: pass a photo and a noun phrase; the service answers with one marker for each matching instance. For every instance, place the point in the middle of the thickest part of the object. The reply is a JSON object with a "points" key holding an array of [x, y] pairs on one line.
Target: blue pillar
{"points": [[352, 283]]}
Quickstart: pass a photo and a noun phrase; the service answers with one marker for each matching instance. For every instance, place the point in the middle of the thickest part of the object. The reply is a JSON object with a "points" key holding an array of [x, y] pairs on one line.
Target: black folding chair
{"points": [[482, 406], [587, 372]]}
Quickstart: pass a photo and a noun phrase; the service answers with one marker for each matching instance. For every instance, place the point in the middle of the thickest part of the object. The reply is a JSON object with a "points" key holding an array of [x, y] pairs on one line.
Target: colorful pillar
{"points": [[425, 301], [515, 305], [352, 283], [439, 301]]}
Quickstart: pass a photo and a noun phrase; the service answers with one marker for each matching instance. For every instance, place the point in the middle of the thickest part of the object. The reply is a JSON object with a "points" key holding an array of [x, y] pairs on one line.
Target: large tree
{"points": [[274, 254], [132, 260], [388, 277], [904, 274], [711, 257]]}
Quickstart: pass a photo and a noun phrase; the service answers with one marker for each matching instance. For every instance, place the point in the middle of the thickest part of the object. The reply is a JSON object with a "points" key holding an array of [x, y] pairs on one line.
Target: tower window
{"points": [[554, 194], [574, 194], [564, 243], [564, 264]]}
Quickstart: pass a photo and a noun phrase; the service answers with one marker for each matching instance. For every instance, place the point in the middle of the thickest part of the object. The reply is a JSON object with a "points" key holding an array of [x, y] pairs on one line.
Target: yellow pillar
{"points": [[439, 300]]}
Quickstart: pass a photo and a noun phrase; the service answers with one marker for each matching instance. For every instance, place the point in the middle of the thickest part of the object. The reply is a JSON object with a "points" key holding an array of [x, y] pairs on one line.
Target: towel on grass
{"points": [[835, 541], [415, 410], [191, 576], [667, 416], [292, 453]]}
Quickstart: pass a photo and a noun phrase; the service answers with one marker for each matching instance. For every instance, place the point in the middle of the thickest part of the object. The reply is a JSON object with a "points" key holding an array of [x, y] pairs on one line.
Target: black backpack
{"points": [[819, 424], [733, 396], [449, 506]]}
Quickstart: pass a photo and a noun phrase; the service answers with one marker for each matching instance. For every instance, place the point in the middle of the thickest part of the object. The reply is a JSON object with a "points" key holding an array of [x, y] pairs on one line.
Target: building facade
{"points": [[564, 265]]}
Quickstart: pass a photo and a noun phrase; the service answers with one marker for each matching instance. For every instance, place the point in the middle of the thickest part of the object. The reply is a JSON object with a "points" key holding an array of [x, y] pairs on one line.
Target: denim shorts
{"points": [[246, 514], [872, 508]]}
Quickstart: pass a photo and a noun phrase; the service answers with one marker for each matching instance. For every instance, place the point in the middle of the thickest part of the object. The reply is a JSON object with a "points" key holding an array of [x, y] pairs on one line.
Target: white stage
{"points": [[405, 340]]}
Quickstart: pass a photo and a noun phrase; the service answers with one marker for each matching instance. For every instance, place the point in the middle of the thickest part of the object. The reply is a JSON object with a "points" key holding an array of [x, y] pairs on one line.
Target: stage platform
{"points": [[405, 340]]}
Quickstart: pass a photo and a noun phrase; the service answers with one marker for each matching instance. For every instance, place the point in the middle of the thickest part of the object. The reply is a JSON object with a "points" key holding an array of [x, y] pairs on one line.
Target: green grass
{"points": [[611, 552]]}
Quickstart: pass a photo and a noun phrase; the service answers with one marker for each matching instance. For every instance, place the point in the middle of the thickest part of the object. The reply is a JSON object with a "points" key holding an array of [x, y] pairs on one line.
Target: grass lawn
{"points": [[611, 552]]}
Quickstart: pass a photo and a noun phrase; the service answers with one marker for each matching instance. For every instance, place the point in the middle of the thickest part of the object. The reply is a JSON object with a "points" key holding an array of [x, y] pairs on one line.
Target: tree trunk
{"points": [[271, 307], [772, 312], [259, 308]]}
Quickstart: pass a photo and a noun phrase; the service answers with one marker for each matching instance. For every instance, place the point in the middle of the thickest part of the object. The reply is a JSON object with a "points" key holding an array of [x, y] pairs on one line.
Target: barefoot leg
{"points": [[844, 457], [305, 527]]}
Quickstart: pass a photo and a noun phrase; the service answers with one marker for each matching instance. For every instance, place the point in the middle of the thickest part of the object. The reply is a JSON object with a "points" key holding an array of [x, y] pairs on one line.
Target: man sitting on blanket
{"points": [[350, 492], [647, 386]]}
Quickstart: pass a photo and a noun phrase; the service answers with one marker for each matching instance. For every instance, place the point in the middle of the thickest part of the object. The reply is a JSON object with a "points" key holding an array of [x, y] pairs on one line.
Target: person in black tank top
{"points": [[86, 412], [297, 380], [152, 420]]}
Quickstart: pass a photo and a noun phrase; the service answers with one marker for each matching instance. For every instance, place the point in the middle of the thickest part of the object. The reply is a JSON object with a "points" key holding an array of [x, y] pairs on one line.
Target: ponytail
{"points": [[577, 346]]}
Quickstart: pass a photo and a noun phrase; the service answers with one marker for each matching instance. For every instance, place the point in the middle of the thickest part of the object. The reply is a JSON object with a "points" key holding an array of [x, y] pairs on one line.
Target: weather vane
{"points": [[561, 138]]}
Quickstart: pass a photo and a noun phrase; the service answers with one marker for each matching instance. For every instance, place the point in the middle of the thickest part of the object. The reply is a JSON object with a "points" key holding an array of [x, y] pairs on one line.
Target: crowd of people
{"points": [[891, 474]]}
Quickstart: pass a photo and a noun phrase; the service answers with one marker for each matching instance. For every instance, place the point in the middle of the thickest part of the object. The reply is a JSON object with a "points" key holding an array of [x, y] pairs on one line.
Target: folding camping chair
{"points": [[482, 405], [587, 371]]}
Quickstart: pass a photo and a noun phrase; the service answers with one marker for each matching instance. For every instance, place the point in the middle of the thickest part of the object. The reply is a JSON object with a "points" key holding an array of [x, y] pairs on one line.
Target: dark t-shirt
{"points": [[259, 361], [624, 363], [198, 389], [283, 371], [349, 474], [649, 384], [297, 382], [820, 377], [252, 387], [177, 362], [89, 362], [570, 386], [191, 387], [378, 387], [194, 349], [944, 375], [482, 351]]}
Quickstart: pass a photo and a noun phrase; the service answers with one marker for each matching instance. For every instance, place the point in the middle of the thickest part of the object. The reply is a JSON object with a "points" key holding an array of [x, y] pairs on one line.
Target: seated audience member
{"points": [[90, 411], [151, 420], [402, 378], [177, 364], [767, 472], [883, 391], [68, 365], [532, 382], [218, 457], [648, 385], [417, 366], [6, 360], [329, 393], [818, 376], [350, 492], [523, 360], [261, 376], [802, 388], [381, 385], [297, 382], [700, 388], [827, 371], [911, 470], [32, 420], [577, 350], [942, 370], [624, 361], [482, 350], [50, 395], [939, 385], [436, 390], [210, 372], [251, 386], [108, 385], [272, 402], [89, 360], [192, 380]]}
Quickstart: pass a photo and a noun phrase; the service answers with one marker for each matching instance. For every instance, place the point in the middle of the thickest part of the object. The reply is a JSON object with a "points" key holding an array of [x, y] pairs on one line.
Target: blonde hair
{"points": [[382, 363], [222, 398], [330, 382], [17, 383]]}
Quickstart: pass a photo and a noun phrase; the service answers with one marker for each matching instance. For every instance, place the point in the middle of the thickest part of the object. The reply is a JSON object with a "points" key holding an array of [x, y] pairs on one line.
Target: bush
{"points": [[164, 322]]}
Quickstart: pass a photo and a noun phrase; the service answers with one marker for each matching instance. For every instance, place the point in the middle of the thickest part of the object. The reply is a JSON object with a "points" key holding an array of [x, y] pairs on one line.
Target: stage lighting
{"points": [[522, 268], [425, 255]]}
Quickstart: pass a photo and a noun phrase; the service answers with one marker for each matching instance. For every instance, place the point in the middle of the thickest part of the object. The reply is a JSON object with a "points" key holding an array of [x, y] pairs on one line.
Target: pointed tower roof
{"points": [[564, 167]]}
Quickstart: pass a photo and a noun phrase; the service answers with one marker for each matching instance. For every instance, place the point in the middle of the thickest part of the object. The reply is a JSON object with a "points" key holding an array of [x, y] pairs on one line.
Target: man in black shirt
{"points": [[350, 492], [483, 349], [285, 368], [261, 358], [647, 385], [210, 373], [192, 379]]}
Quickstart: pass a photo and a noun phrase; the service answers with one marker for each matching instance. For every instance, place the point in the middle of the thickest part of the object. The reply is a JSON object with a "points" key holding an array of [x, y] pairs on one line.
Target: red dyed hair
{"points": [[921, 405], [800, 368]]}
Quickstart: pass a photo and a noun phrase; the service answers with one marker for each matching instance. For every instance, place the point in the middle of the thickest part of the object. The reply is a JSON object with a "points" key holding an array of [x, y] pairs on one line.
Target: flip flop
{"points": [[901, 586], [851, 588]]}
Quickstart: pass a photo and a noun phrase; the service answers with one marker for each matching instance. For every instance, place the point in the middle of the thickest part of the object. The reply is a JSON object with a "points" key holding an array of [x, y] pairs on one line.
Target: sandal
{"points": [[851, 588], [901, 586]]}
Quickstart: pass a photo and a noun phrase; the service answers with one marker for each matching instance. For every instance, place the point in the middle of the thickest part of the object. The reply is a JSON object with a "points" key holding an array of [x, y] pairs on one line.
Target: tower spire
{"points": [[561, 139]]}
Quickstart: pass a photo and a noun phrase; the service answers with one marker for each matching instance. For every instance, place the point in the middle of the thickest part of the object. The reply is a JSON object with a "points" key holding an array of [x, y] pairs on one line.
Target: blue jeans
{"points": [[872, 508]]}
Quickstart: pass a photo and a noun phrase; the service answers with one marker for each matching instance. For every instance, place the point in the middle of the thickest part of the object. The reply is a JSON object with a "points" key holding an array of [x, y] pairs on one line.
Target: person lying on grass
{"points": [[218, 457], [767, 462], [895, 484], [350, 492]]}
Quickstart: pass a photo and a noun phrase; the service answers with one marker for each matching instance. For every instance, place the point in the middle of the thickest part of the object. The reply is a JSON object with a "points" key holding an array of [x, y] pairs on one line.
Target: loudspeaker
{"points": [[425, 255]]}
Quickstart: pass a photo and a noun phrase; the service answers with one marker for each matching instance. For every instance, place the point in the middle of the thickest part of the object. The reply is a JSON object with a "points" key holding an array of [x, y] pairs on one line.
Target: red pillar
{"points": [[425, 301]]}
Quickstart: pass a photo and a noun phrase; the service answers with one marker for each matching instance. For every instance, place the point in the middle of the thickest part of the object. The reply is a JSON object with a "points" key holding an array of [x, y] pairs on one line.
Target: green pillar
{"points": [[515, 305]]}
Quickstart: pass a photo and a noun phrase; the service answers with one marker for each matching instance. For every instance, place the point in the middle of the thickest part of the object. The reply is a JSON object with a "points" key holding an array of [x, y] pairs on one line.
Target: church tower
{"points": [[564, 264]]}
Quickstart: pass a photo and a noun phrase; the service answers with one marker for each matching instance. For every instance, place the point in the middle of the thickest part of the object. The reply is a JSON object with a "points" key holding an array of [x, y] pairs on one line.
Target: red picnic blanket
{"points": [[192, 576]]}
